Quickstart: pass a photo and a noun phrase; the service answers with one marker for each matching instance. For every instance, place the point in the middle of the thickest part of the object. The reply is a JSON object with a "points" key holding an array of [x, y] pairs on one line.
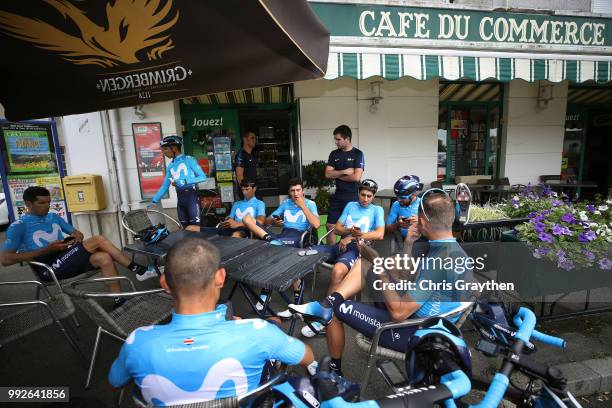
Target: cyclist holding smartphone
{"points": [[405, 210]]}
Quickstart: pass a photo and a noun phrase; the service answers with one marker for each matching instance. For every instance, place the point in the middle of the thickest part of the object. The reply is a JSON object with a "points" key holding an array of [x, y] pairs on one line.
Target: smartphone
{"points": [[276, 217], [356, 228], [68, 239], [392, 374], [229, 313]]}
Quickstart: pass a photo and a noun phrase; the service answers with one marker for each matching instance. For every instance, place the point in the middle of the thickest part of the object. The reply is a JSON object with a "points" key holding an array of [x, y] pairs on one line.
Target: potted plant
{"points": [[565, 246], [314, 177]]}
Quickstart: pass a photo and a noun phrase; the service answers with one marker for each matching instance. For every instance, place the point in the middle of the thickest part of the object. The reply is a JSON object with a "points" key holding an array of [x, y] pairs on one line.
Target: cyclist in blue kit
{"points": [[345, 165], [295, 215], [202, 354], [249, 206], [359, 220], [435, 220], [184, 173], [405, 210], [45, 237]]}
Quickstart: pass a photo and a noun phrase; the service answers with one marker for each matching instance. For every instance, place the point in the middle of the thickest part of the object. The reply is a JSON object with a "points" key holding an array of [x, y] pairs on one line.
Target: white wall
{"points": [[533, 137], [399, 138]]}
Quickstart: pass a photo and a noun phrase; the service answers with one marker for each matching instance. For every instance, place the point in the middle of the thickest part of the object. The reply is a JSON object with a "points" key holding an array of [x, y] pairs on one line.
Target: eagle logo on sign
{"points": [[133, 30]]}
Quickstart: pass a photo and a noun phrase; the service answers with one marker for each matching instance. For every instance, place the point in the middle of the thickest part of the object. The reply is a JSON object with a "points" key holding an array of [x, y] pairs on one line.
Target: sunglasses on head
{"points": [[424, 196]]}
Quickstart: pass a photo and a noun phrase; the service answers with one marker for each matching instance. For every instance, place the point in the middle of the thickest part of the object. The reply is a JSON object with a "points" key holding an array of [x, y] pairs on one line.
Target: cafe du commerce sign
{"points": [[431, 26]]}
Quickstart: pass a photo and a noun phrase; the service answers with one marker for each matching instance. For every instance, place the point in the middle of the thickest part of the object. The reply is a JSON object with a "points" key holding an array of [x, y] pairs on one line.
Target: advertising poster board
{"points": [[149, 157], [52, 182], [28, 148]]}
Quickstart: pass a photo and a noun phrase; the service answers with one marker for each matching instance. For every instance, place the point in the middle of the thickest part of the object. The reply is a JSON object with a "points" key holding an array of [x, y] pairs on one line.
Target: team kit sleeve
{"points": [[359, 162], [280, 346], [312, 206], [280, 210], [330, 159], [344, 214], [260, 209], [163, 189], [66, 228], [14, 236], [119, 375], [239, 159], [199, 175], [393, 213], [232, 214], [380, 217]]}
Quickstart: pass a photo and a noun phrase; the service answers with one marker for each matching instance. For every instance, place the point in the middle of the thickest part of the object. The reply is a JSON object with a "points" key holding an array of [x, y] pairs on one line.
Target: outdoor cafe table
{"points": [[487, 190], [251, 264]]}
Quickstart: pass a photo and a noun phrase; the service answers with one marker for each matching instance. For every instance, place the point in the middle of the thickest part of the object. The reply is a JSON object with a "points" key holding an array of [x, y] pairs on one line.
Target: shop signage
{"points": [[149, 157], [28, 148], [394, 22]]}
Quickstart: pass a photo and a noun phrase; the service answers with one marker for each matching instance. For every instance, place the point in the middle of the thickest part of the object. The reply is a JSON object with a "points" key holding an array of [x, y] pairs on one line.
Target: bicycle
{"points": [[490, 319]]}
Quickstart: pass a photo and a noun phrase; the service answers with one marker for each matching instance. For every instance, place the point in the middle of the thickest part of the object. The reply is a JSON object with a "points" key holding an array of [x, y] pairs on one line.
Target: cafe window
{"points": [[468, 129]]}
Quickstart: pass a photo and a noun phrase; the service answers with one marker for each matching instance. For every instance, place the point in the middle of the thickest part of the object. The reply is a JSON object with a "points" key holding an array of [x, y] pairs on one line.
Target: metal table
{"points": [[487, 190], [251, 264], [561, 185]]}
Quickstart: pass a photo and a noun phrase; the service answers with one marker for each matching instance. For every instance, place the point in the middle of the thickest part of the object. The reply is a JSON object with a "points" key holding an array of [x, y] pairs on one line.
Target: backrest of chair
{"points": [[220, 403], [96, 313], [546, 177], [137, 220]]}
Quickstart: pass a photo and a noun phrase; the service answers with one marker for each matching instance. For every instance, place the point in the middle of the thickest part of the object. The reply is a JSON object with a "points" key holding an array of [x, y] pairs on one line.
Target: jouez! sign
{"points": [[390, 22]]}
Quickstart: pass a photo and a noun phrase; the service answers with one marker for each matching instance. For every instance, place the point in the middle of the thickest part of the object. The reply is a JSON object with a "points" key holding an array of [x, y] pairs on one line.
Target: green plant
{"points": [[314, 177]]}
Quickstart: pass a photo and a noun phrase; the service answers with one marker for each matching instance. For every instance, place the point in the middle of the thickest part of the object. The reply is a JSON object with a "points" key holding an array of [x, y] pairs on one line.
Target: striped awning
{"points": [[269, 94], [362, 65]]}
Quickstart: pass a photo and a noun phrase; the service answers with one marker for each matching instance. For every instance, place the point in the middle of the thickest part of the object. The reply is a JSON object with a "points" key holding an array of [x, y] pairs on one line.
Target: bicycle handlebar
{"points": [[543, 337]]}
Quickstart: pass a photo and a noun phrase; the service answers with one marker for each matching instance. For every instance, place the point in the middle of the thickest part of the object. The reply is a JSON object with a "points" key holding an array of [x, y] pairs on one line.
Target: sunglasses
{"points": [[424, 196]]}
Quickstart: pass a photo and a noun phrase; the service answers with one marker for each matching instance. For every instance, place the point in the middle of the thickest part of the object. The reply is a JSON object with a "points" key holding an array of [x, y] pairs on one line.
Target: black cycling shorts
{"points": [[67, 264]]}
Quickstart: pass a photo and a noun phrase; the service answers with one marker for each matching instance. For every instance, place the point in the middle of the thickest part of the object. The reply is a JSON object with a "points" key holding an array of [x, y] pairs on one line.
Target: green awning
{"points": [[363, 65]]}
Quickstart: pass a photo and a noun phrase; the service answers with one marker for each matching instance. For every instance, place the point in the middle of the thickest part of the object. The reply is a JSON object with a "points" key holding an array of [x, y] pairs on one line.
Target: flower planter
{"points": [[539, 277]]}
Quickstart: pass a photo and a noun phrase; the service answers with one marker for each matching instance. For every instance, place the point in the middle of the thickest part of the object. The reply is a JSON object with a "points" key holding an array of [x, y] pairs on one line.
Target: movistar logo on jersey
{"points": [[363, 223], [177, 171], [48, 237], [294, 217], [346, 309], [159, 388], [247, 211]]}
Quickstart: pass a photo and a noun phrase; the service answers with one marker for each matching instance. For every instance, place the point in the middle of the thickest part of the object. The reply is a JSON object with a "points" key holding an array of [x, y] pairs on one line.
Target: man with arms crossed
{"points": [[200, 355], [345, 165], [436, 216]]}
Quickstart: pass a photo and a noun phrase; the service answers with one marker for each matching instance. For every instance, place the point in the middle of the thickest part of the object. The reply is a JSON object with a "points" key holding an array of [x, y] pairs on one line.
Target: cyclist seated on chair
{"points": [[232, 225], [201, 354], [45, 237], [360, 219], [445, 262], [184, 173], [295, 215], [405, 210]]}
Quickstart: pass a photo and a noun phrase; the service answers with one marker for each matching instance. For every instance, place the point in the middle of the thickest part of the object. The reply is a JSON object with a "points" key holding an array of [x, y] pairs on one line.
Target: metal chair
{"points": [[375, 351], [232, 402], [60, 284], [32, 315], [143, 308], [136, 221]]}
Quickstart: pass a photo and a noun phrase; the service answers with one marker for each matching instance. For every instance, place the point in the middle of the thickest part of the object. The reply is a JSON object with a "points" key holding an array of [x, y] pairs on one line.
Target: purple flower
{"points": [[532, 215], [547, 191], [605, 264], [559, 230], [565, 264], [515, 201], [589, 255], [590, 208], [564, 196], [545, 237], [560, 254], [546, 212], [568, 218], [539, 227], [556, 203], [587, 236], [540, 252]]}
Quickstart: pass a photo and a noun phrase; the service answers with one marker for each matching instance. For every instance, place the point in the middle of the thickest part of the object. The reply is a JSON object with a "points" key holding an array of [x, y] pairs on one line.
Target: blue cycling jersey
{"points": [[445, 262], [201, 357], [397, 211], [253, 207], [293, 216], [367, 218], [185, 171], [32, 232]]}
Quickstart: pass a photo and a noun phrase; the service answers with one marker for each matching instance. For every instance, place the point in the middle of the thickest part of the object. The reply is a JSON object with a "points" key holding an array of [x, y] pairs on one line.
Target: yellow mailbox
{"points": [[84, 192]]}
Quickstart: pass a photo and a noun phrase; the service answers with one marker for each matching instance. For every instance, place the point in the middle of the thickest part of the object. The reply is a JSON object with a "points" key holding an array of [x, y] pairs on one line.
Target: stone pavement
{"points": [[43, 359]]}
